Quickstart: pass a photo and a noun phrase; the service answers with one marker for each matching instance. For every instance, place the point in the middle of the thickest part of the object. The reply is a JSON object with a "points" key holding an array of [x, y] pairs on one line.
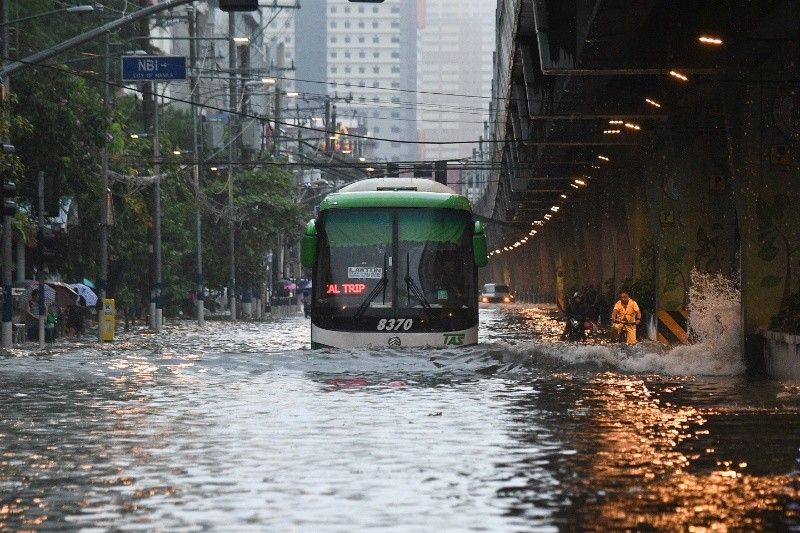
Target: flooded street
{"points": [[240, 427]]}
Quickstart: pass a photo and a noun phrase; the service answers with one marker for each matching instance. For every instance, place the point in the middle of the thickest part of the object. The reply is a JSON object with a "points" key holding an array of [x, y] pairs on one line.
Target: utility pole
{"points": [[102, 282], [327, 125], [333, 127], [8, 309], [231, 159], [196, 167], [155, 299], [277, 135], [40, 273]]}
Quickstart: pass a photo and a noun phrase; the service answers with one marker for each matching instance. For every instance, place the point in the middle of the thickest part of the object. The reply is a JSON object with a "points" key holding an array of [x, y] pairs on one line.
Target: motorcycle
{"points": [[575, 329]]}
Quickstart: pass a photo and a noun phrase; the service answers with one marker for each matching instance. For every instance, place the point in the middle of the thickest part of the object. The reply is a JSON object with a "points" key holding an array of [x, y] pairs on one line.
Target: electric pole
{"points": [[232, 143], [196, 167]]}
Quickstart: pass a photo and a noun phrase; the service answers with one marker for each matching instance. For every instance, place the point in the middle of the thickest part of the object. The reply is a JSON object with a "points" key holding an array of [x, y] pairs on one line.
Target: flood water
{"points": [[241, 427]]}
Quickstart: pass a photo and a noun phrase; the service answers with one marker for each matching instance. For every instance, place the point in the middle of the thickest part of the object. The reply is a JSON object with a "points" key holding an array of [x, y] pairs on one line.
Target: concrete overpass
{"points": [[638, 147]]}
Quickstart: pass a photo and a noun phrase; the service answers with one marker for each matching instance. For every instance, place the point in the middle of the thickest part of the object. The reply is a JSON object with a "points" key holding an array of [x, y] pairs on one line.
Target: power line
{"points": [[248, 115]]}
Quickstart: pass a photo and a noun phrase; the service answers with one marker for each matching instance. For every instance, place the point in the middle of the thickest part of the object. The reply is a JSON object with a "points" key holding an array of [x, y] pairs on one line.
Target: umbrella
{"points": [[49, 293], [86, 292], [65, 295]]}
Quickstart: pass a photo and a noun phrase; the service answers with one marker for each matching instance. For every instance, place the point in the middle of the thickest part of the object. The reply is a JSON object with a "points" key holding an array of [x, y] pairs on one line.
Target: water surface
{"points": [[239, 427]]}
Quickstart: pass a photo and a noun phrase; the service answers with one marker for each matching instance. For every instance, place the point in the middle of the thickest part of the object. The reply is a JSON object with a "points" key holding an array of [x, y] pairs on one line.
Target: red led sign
{"points": [[345, 288]]}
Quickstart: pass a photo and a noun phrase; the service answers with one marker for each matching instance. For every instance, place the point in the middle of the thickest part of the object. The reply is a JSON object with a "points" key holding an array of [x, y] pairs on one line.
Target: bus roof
{"points": [[396, 192]]}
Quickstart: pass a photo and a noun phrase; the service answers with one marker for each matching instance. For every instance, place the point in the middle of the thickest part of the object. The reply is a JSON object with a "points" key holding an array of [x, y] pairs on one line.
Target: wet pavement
{"points": [[242, 427]]}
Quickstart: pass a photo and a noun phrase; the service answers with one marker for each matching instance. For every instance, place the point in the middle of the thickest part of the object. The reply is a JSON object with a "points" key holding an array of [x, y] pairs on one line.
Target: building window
{"points": [[395, 39], [377, 129], [395, 85], [374, 23], [395, 70], [347, 24], [360, 9], [333, 55], [395, 114], [376, 55], [333, 24], [395, 129], [376, 100], [347, 70], [334, 69], [376, 70], [333, 39], [360, 23], [362, 55], [333, 9], [395, 24], [395, 9], [374, 9], [361, 70], [376, 39], [347, 39], [347, 9], [395, 55], [347, 55], [361, 38]]}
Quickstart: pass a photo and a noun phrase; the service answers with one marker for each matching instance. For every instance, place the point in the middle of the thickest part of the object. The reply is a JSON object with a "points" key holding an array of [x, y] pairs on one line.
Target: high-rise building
{"points": [[371, 53], [455, 47]]}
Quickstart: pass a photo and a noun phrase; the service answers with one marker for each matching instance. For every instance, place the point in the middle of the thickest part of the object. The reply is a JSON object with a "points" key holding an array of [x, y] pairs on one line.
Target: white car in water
{"points": [[496, 293]]}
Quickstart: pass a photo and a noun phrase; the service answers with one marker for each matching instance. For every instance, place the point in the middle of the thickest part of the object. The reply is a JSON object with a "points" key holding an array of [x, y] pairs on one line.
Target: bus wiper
{"points": [[380, 287], [411, 286]]}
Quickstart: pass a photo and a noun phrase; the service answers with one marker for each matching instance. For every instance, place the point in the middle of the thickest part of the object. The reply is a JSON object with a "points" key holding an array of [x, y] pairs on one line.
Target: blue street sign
{"points": [[153, 68]]}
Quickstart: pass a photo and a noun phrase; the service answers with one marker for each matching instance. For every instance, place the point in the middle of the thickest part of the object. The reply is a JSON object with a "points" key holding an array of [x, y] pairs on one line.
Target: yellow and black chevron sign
{"points": [[672, 327]]}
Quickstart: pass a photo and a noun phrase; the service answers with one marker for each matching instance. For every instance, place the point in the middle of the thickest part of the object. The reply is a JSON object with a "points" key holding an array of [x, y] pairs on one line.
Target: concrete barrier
{"points": [[782, 354]]}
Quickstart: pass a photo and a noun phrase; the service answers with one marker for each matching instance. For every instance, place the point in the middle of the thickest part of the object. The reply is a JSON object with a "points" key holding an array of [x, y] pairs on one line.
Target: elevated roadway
{"points": [[682, 119]]}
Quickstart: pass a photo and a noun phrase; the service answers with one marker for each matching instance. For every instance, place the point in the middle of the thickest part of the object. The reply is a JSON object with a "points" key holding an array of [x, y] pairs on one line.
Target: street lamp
{"points": [[79, 10]]}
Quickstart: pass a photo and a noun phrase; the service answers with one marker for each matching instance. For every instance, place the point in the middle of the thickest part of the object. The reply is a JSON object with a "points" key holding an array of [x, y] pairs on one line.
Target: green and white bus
{"points": [[394, 264]]}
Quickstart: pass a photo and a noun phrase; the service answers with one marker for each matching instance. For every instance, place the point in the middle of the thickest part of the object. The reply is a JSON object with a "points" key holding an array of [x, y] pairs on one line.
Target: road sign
{"points": [[153, 68]]}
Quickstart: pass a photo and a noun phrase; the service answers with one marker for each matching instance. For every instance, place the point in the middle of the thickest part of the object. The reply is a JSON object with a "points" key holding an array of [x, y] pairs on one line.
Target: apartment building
{"points": [[456, 41], [371, 52]]}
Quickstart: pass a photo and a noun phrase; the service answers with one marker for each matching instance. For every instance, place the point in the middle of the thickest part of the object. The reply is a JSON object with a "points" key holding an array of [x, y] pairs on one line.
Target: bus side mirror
{"points": [[308, 248], [479, 245]]}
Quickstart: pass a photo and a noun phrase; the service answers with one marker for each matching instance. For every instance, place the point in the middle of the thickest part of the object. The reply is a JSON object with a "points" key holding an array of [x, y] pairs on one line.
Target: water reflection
{"points": [[635, 456]]}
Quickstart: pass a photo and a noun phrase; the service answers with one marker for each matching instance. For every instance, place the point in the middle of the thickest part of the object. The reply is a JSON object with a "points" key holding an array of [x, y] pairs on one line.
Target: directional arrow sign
{"points": [[153, 68]]}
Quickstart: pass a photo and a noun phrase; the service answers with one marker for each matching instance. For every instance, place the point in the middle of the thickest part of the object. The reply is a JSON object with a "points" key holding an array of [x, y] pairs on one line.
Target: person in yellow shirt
{"points": [[626, 315]]}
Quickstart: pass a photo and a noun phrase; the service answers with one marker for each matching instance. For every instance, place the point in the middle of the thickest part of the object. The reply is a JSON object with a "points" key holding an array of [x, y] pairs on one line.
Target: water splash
{"points": [[652, 328], [715, 329]]}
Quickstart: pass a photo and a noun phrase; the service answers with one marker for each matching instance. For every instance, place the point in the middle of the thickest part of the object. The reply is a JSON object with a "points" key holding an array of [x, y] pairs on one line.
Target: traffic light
{"points": [[8, 191], [47, 244], [440, 172], [238, 5]]}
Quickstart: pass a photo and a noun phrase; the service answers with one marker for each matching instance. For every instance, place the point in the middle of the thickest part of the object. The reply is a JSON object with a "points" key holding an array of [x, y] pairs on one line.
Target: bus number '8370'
{"points": [[395, 324]]}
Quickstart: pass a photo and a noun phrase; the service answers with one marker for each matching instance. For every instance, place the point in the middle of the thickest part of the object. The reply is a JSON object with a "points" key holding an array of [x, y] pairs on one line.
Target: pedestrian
{"points": [[75, 317], [625, 316], [32, 315]]}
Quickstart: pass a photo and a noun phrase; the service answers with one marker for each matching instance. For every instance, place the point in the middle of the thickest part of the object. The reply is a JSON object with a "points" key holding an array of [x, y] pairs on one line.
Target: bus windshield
{"points": [[401, 259]]}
